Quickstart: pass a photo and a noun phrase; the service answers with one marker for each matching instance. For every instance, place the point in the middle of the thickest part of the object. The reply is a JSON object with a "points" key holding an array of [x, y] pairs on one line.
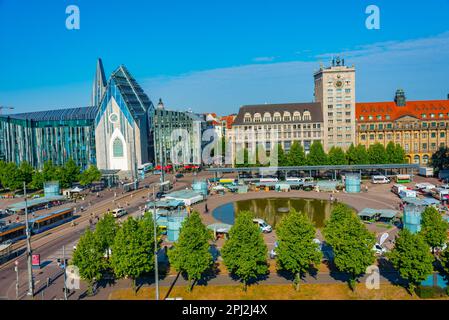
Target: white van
{"points": [[379, 179], [117, 213]]}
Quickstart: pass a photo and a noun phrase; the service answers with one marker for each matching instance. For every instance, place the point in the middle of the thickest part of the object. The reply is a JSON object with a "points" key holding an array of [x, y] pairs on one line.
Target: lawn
{"points": [[271, 292]]}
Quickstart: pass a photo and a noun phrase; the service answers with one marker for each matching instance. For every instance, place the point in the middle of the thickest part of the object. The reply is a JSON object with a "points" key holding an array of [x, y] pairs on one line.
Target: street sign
{"points": [[36, 260]]}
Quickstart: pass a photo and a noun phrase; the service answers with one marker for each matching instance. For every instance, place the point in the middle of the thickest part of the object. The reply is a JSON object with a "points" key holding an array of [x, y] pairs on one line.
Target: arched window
{"points": [[296, 116], [287, 116], [416, 159], [257, 117], [425, 158], [266, 117], [247, 117], [306, 116], [117, 148], [277, 117]]}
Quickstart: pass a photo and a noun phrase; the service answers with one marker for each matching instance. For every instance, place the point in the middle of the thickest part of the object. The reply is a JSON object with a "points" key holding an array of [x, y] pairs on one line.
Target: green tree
{"points": [[88, 257], [133, 249], [440, 159], [412, 258], [12, 178], [190, 254], [357, 155], [433, 228], [106, 231], [377, 154], [296, 155], [245, 253], [337, 156], [395, 153], [296, 251], [68, 173], [316, 156], [91, 174], [49, 171], [351, 243], [26, 172], [37, 181]]}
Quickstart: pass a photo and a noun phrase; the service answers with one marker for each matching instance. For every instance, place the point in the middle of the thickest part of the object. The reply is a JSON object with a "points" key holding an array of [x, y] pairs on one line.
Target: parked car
{"points": [[117, 213], [179, 176], [264, 227], [378, 249]]}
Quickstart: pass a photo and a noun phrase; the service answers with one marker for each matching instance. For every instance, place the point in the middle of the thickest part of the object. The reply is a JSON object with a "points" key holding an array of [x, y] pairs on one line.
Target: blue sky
{"points": [[218, 55]]}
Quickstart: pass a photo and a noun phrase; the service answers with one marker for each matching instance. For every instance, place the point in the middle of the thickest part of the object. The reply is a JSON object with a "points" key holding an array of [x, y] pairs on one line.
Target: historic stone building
{"points": [[420, 127], [302, 122]]}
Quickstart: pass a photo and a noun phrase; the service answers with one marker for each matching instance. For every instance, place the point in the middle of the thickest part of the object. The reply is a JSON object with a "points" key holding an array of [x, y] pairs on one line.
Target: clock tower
{"points": [[335, 90]]}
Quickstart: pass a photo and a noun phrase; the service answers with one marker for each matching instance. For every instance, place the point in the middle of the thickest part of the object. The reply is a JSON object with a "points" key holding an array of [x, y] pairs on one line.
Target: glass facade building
{"points": [[171, 146], [56, 135]]}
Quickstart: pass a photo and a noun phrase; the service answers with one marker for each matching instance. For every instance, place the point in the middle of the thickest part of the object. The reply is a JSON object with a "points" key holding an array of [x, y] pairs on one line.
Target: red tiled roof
{"points": [[412, 108], [229, 120]]}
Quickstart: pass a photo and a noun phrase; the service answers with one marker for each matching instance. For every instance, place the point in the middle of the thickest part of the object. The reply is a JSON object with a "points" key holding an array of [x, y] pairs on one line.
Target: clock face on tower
{"points": [[338, 84], [113, 118]]}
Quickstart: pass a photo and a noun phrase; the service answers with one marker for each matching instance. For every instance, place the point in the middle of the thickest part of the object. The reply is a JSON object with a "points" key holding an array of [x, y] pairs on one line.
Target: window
{"points": [[423, 115], [371, 126], [362, 118], [387, 117], [296, 116], [442, 134], [424, 135], [432, 115], [306, 116], [381, 136], [347, 90], [117, 148], [379, 117], [363, 137], [433, 135], [371, 136], [247, 117], [267, 117], [381, 126], [389, 126], [441, 115], [370, 117], [348, 106]]}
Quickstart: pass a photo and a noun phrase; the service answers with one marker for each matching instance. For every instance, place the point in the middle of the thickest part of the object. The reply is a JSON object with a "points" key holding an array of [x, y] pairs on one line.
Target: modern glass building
{"points": [[56, 135], [175, 146]]}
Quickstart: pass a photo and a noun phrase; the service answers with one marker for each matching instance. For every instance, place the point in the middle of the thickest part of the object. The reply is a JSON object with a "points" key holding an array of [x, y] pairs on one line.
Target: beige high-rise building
{"points": [[335, 90]]}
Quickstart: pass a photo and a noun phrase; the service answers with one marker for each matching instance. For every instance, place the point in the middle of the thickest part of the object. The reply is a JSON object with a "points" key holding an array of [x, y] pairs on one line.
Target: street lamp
{"points": [[156, 273], [16, 269], [29, 252]]}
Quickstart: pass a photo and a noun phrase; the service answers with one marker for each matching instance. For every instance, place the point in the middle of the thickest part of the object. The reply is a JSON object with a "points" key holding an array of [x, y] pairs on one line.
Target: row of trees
{"points": [[126, 250], [245, 252], [13, 176], [375, 154]]}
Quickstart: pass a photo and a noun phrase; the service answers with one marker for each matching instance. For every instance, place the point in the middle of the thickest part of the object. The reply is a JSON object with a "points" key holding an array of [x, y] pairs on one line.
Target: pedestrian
{"points": [[366, 188], [206, 209]]}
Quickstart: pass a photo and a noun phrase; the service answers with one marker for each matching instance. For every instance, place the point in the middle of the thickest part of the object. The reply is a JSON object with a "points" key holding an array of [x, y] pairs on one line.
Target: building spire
{"points": [[99, 84]]}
